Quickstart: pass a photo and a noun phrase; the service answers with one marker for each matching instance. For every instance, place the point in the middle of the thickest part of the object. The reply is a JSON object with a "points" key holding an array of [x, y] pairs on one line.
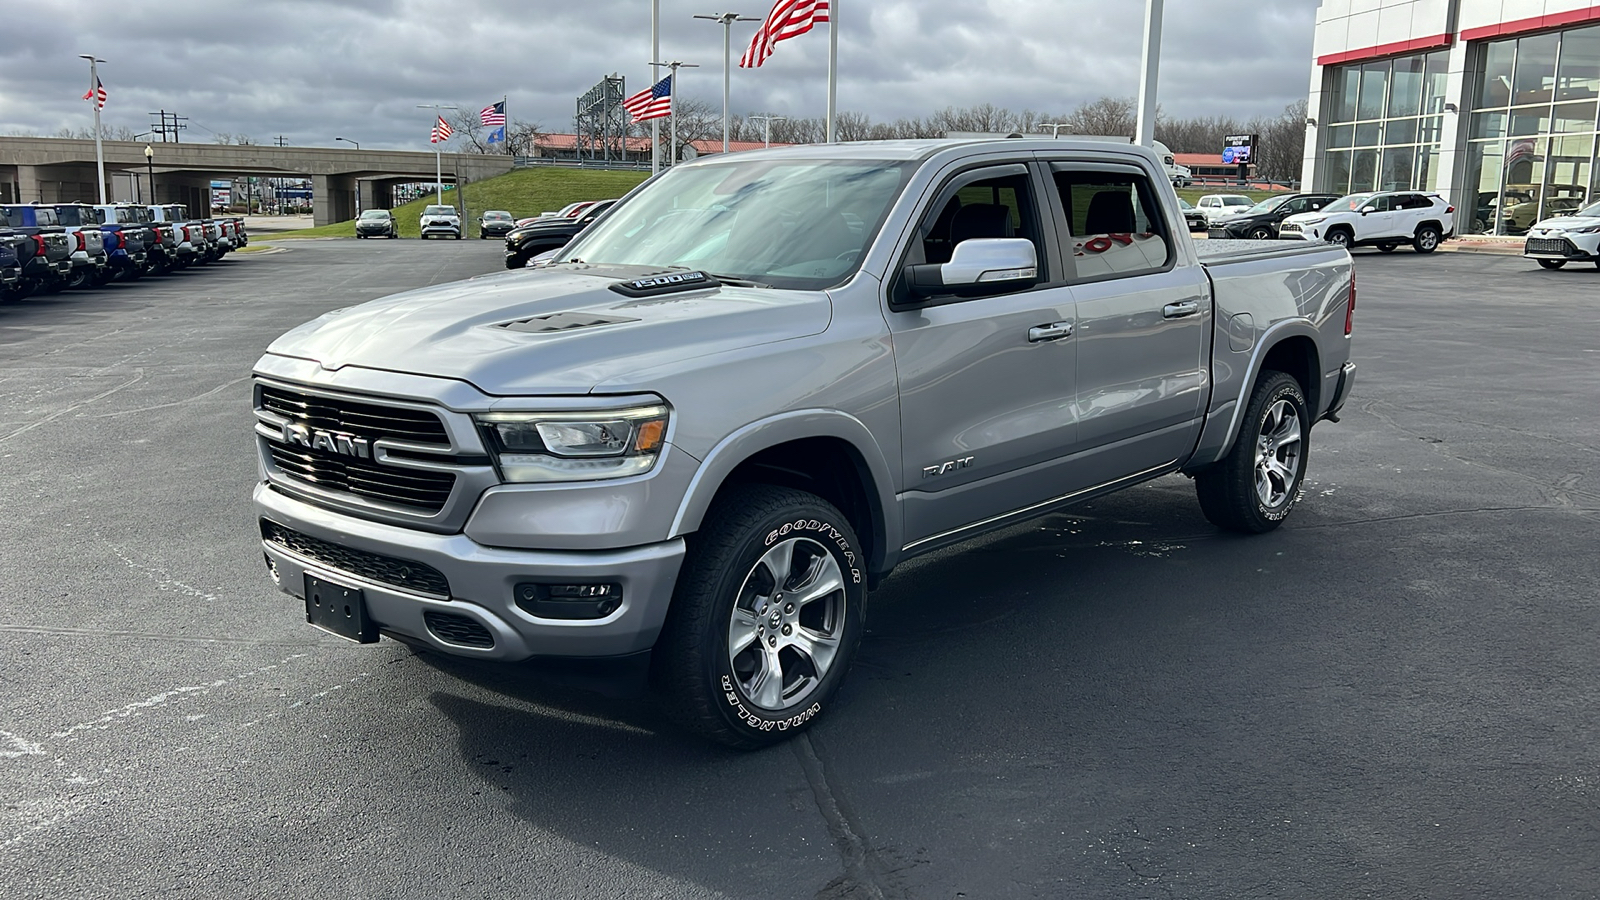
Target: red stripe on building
{"points": [[1534, 23], [1394, 49]]}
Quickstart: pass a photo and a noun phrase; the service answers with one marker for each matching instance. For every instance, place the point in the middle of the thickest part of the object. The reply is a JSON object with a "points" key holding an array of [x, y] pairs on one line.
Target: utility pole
{"points": [[1145, 133], [94, 97], [655, 54], [727, 19], [766, 128]]}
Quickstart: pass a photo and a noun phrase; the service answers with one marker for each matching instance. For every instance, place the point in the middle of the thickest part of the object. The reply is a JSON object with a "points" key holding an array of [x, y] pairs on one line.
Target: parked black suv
{"points": [[1260, 222], [547, 233]]}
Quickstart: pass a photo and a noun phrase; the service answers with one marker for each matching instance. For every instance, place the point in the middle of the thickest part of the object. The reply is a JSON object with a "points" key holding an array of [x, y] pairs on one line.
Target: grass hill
{"points": [[524, 192]]}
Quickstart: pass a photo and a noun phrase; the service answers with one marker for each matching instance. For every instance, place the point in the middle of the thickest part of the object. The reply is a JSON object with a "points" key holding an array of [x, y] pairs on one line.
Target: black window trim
{"points": [[1065, 224], [1047, 246]]}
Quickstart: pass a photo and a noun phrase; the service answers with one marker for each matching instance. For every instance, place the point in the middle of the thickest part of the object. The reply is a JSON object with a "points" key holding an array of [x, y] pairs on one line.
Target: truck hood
{"points": [[459, 330]]}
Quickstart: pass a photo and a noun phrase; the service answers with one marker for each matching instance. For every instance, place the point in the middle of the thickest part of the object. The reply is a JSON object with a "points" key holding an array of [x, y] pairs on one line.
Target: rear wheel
{"points": [[1427, 239], [1558, 263], [765, 618], [1254, 487]]}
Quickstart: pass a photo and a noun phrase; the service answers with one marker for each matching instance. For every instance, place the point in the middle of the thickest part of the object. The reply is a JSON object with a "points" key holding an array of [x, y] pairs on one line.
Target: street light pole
{"points": [[438, 161], [358, 182], [766, 127], [727, 19], [94, 97], [150, 161], [1145, 132], [655, 54]]}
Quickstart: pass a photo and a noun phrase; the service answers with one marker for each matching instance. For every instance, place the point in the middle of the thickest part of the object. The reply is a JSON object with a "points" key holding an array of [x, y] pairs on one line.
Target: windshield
{"points": [[1235, 201], [801, 223], [1349, 203], [1267, 205], [439, 211], [1184, 204], [498, 216], [1589, 212], [375, 214]]}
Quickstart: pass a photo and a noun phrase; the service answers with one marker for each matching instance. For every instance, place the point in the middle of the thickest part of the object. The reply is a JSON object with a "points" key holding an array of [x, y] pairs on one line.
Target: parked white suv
{"points": [[1557, 241], [1382, 219], [441, 220], [1219, 206]]}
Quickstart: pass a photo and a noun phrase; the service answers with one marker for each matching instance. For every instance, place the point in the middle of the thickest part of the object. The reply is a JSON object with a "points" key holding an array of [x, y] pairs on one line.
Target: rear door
{"points": [[1144, 322], [986, 383]]}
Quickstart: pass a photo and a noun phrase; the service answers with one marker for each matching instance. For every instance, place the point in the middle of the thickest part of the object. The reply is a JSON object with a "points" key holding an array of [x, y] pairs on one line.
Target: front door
{"points": [[986, 383], [1377, 219]]}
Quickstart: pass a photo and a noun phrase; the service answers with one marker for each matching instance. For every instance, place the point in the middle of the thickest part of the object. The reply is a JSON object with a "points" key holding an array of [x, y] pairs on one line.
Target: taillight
{"points": [[122, 240], [1350, 307], [81, 244], [39, 240], [187, 235]]}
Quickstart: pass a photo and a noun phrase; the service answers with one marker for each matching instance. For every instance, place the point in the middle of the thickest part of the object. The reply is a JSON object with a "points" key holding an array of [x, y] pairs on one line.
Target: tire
{"points": [[1388, 246], [1254, 488], [1340, 237], [79, 278], [1558, 263], [757, 542], [1427, 239], [458, 235], [1261, 233]]}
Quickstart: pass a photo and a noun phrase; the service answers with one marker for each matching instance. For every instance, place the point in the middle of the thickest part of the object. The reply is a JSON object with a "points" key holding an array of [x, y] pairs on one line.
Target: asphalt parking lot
{"points": [[1395, 695]]}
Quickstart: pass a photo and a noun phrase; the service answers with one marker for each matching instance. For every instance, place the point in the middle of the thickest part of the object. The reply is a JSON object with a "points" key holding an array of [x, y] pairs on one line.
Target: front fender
{"points": [[795, 426]]}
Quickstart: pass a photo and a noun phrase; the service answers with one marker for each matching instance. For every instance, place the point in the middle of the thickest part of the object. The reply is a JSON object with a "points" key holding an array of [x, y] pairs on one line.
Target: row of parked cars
{"points": [[445, 222], [49, 247], [1382, 219]]}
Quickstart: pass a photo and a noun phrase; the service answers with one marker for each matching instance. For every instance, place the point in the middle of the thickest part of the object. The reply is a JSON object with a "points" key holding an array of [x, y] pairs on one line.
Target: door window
{"points": [[997, 207], [1116, 225]]}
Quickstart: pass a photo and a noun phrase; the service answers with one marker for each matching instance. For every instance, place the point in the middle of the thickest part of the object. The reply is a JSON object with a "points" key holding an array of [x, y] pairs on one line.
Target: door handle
{"points": [[1055, 331], [1180, 310]]}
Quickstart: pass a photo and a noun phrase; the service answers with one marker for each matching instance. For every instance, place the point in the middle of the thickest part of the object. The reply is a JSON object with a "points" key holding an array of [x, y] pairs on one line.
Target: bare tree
{"points": [[1107, 116]]}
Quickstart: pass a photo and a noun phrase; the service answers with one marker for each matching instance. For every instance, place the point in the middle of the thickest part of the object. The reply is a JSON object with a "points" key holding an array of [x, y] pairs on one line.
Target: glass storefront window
{"points": [[1436, 74], [1570, 117], [1369, 134], [1536, 69], [1337, 171], [1405, 88], [1396, 168], [1489, 124], [1579, 77], [1530, 120], [1363, 170], [1428, 168], [1374, 85], [1495, 87], [1400, 131]]}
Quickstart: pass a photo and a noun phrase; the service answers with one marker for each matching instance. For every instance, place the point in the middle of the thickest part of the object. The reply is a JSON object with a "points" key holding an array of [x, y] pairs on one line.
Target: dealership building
{"points": [[1495, 104]]}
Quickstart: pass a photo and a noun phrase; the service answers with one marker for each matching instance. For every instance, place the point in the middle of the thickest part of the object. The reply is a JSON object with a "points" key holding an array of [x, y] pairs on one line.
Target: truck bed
{"points": [[1222, 252]]}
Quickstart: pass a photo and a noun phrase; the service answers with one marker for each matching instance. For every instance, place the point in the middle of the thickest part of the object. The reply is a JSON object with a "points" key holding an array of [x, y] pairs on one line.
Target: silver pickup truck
{"points": [[760, 382]]}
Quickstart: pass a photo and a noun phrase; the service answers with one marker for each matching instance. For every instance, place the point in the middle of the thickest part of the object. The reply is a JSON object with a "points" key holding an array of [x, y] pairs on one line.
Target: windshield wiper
{"points": [[737, 281]]}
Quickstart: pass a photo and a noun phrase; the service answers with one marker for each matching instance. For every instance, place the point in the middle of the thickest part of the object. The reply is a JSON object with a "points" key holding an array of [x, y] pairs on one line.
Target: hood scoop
{"points": [[563, 321]]}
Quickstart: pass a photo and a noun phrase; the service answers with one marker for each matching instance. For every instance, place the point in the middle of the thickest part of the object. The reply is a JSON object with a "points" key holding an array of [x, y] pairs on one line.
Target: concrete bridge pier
{"points": [[333, 199]]}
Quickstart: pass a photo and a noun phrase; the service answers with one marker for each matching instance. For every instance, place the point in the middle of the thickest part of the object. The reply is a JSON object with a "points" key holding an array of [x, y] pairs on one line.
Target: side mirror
{"points": [[978, 266], [1367, 210]]}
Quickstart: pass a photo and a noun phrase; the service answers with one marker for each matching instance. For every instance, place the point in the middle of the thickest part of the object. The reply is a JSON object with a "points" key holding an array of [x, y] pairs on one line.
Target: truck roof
{"points": [[911, 150]]}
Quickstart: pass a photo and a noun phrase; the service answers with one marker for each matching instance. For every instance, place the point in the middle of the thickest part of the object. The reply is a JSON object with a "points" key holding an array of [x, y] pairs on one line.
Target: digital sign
{"points": [[1238, 149]]}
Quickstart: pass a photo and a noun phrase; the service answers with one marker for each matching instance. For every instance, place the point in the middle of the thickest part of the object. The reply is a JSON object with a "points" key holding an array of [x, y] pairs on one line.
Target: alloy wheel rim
{"points": [[787, 624], [1429, 239], [1278, 451]]}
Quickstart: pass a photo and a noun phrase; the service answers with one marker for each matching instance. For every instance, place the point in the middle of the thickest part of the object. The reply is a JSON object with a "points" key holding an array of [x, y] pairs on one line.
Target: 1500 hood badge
{"points": [[331, 441]]}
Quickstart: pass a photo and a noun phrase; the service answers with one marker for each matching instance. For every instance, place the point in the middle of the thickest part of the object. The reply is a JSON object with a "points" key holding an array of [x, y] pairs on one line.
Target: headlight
{"points": [[575, 446], [1314, 221], [1587, 229]]}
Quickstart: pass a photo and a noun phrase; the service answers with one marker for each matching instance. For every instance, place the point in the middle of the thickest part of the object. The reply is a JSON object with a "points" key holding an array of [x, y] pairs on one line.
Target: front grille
{"points": [[416, 488], [368, 420], [1549, 245], [412, 576], [1289, 226], [455, 629]]}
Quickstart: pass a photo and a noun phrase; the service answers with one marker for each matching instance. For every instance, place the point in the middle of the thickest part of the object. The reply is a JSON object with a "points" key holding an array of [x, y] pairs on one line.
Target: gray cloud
{"points": [[313, 69]]}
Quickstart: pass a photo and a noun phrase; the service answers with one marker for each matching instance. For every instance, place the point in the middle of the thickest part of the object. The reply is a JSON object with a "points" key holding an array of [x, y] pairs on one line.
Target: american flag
{"points": [[442, 131], [789, 18], [494, 116], [654, 102], [97, 93]]}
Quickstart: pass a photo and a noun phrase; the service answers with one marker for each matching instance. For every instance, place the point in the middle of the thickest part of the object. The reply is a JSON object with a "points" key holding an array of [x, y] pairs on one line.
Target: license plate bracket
{"points": [[339, 610]]}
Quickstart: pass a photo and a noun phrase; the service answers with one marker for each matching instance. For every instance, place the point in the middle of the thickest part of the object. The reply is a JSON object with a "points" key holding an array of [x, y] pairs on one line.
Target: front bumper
{"points": [[1563, 247], [441, 228], [481, 581]]}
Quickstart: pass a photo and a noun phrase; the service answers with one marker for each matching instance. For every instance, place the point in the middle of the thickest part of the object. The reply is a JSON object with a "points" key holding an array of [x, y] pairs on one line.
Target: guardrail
{"points": [[527, 162]]}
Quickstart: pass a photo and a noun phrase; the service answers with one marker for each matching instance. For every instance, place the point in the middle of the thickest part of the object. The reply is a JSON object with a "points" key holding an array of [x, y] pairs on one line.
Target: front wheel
{"points": [[1261, 234], [765, 617], [1254, 487], [1339, 238], [1427, 239], [1557, 263]]}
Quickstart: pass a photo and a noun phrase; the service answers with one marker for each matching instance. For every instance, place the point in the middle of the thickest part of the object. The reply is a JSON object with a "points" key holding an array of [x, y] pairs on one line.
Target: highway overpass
{"points": [[62, 170]]}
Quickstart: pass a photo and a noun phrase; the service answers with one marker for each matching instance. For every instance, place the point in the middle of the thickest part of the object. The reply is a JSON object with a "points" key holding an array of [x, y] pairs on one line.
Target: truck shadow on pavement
{"points": [[978, 657]]}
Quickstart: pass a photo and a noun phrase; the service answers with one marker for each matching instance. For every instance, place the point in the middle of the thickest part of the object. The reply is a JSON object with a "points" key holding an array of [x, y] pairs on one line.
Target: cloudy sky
{"points": [[311, 70]]}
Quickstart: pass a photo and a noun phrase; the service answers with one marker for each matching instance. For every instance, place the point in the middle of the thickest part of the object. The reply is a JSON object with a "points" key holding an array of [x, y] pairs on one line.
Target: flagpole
{"points": [[672, 110], [655, 54], [94, 97], [438, 160], [833, 68]]}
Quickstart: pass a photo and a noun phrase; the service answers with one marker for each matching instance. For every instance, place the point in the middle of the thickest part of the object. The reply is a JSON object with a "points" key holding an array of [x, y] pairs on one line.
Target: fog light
{"points": [[272, 569], [569, 601]]}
